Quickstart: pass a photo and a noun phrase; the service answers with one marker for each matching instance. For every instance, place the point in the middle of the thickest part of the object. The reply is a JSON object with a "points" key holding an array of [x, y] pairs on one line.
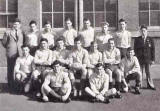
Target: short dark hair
{"points": [[98, 65], [129, 49], [78, 38], [17, 20], [56, 62], [32, 22], [111, 39], [105, 23], [143, 26], [122, 20], [61, 38], [68, 19], [25, 45], [47, 22], [86, 19], [43, 39]]}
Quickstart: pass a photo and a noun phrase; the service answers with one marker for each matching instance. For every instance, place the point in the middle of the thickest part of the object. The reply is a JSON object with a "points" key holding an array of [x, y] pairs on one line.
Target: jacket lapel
{"points": [[13, 35]]}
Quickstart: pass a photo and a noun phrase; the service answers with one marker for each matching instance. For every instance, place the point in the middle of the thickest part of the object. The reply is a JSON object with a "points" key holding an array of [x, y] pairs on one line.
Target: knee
{"points": [[35, 75], [18, 77]]}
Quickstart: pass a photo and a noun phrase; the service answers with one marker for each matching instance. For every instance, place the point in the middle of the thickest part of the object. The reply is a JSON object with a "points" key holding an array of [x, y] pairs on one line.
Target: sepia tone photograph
{"points": [[79, 55]]}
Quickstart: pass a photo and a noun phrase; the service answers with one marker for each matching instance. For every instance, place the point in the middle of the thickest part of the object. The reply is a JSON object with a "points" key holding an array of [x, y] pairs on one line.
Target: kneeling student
{"points": [[56, 84], [23, 69], [131, 68], [99, 85]]}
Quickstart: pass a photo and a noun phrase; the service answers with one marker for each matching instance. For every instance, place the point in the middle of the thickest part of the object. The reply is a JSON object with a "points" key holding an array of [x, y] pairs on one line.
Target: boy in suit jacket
{"points": [[145, 52], [12, 41]]}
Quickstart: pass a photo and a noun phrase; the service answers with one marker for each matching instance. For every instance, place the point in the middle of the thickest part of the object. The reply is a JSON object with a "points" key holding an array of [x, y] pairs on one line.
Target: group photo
{"points": [[73, 55]]}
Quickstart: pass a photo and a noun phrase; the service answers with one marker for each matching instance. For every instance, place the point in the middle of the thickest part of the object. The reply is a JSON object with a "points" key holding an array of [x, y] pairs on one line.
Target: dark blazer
{"points": [[145, 52], [12, 44]]}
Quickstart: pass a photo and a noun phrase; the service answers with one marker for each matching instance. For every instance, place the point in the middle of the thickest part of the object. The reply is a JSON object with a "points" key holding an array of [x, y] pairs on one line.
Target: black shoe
{"points": [[106, 101], [68, 100], [112, 96], [151, 87], [118, 95], [93, 100], [137, 90]]}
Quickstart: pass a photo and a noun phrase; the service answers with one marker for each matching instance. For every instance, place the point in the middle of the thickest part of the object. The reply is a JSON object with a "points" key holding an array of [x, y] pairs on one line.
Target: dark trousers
{"points": [[10, 70], [146, 66], [123, 52], [134, 76]]}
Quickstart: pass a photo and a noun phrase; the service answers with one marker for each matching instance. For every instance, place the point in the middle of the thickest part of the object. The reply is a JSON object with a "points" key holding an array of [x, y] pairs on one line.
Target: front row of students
{"points": [[54, 73]]}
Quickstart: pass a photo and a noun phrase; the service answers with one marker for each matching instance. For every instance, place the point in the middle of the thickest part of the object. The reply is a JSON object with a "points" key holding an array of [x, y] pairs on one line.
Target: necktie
{"points": [[17, 35]]}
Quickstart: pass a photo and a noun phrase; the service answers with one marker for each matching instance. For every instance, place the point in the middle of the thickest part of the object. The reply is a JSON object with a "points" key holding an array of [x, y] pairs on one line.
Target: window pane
{"points": [[90, 17], [99, 5], [99, 18], [58, 20], [111, 18], [143, 5], [2, 5], [111, 5], [46, 17], [155, 4], [69, 5], [46, 5], [71, 16], [11, 19], [88, 5], [155, 18], [12, 5], [144, 18], [3, 21], [58, 5]]}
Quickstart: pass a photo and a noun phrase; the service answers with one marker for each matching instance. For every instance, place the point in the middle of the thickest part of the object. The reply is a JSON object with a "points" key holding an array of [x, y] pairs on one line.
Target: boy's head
{"points": [[16, 24], [33, 25], [130, 52], [44, 43], [122, 24], [25, 50]]}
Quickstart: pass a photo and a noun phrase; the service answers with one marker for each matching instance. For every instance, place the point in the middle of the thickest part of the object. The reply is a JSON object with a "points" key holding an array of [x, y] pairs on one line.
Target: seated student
{"points": [[61, 53], [131, 68], [49, 34], [102, 37], [99, 85], [94, 57], [78, 61], [69, 34], [23, 69], [42, 61], [111, 59], [56, 84], [32, 37]]}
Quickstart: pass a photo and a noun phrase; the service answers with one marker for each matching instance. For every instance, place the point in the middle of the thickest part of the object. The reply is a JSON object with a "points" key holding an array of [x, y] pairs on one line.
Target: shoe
{"points": [[38, 94], [125, 89], [137, 90], [45, 99], [118, 95], [112, 96], [93, 100], [151, 87], [68, 100], [106, 101]]}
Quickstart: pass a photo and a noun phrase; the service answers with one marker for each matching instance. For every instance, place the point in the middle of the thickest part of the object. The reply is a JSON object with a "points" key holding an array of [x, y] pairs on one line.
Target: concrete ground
{"points": [[149, 100]]}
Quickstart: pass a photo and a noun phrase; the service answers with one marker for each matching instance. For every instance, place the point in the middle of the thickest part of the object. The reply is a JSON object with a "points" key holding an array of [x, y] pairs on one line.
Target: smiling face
{"points": [[144, 32], [16, 25], [105, 28], [99, 70], [94, 47], [44, 45], [47, 27], [111, 44], [57, 68], [68, 24], [130, 53], [78, 45], [25, 51], [87, 24], [33, 27], [60, 44]]}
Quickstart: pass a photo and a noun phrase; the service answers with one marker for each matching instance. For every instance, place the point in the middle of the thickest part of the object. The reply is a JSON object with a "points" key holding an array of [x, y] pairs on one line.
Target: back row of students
{"points": [[60, 57]]}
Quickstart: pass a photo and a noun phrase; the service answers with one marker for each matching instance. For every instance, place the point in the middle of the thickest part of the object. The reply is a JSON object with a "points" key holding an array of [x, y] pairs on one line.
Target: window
{"points": [[56, 11], [149, 12], [101, 10], [8, 12]]}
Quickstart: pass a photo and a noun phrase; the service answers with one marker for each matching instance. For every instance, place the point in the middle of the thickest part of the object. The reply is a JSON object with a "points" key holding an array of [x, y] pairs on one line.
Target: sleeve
{"points": [[93, 87], [105, 85], [152, 50], [36, 58], [106, 60], [5, 40]]}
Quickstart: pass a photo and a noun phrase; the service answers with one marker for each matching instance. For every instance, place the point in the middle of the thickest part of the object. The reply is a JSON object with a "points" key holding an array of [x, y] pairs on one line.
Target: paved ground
{"points": [[148, 101]]}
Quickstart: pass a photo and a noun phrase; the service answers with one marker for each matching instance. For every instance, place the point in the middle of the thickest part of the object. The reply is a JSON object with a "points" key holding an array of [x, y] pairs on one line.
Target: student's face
{"points": [[68, 24], [87, 24], [57, 68], [25, 51], [104, 28], [60, 44], [78, 44], [111, 44], [94, 47], [33, 27], [16, 25], [144, 32], [130, 53], [44, 45], [99, 70], [47, 27], [122, 25]]}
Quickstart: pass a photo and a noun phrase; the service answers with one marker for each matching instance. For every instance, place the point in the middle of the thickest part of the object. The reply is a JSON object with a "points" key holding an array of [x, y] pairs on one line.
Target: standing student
{"points": [[87, 34], [145, 52], [13, 40], [123, 37], [32, 37]]}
